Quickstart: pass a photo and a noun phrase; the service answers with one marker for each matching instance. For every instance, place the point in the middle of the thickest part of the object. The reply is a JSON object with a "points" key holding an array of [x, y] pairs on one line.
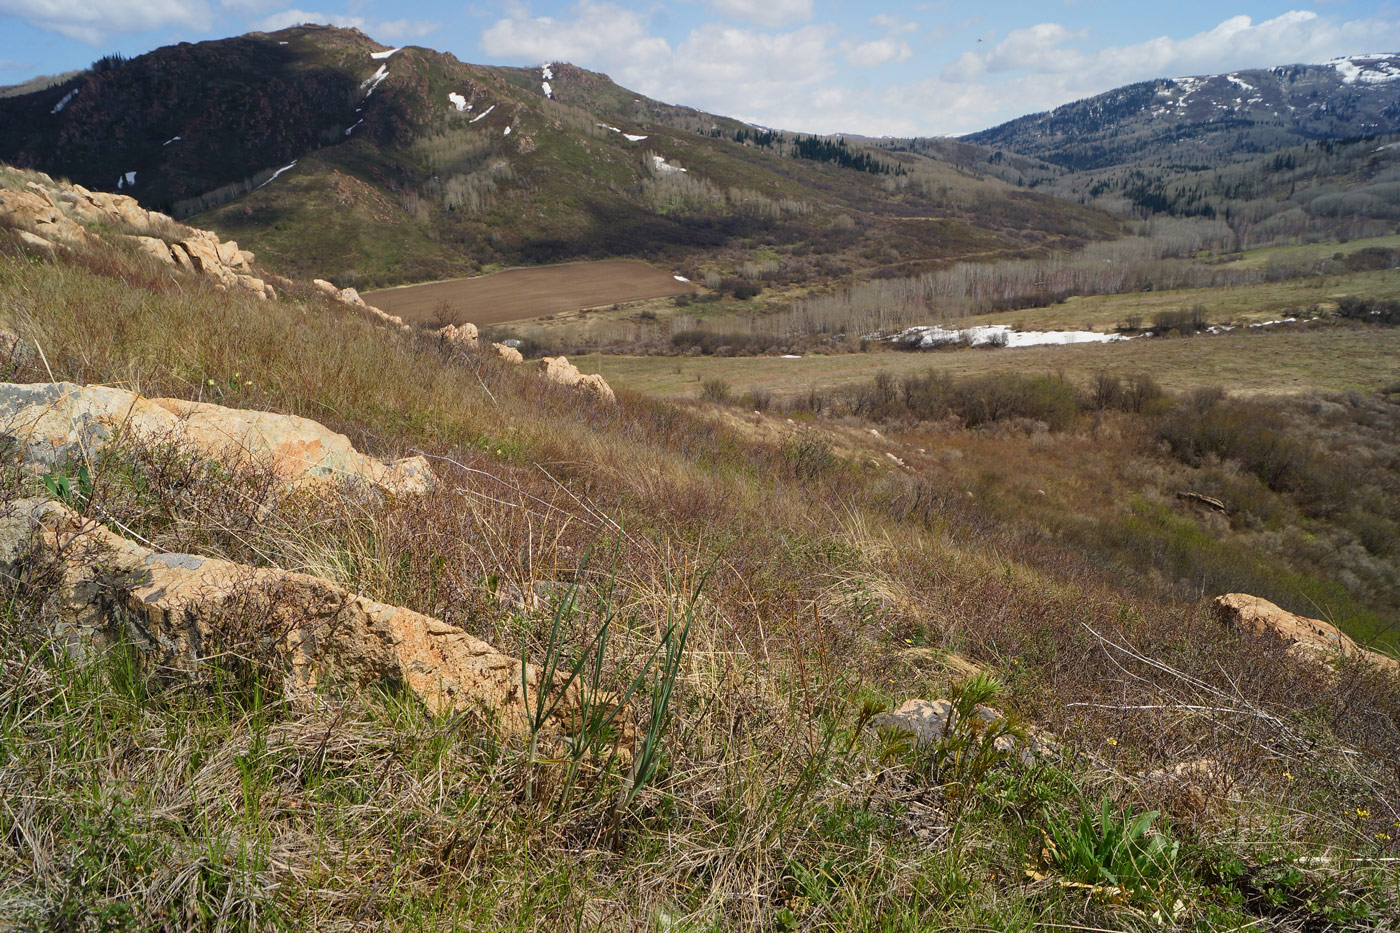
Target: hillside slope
{"points": [[324, 151], [781, 601]]}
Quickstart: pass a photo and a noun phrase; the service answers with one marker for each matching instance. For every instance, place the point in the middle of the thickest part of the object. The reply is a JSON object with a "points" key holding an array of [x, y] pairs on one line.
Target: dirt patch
{"points": [[525, 293]]}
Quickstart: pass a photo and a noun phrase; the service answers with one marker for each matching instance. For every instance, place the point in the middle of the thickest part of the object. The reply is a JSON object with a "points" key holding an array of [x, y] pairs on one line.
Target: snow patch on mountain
{"points": [[374, 80], [483, 113], [458, 101], [380, 56], [1376, 68], [66, 98], [663, 167], [276, 173]]}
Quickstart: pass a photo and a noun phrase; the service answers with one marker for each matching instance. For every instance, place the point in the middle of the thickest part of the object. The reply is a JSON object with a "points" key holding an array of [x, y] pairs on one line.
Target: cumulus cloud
{"points": [[596, 31], [92, 21], [390, 30], [887, 51], [765, 12], [716, 66]]}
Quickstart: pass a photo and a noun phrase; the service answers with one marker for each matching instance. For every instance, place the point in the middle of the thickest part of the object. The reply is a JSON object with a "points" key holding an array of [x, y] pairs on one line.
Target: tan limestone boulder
{"points": [[352, 297], [47, 424], [36, 212], [252, 284], [155, 248], [1307, 638], [509, 354], [183, 610], [559, 369], [326, 287], [201, 255], [464, 336], [34, 241]]}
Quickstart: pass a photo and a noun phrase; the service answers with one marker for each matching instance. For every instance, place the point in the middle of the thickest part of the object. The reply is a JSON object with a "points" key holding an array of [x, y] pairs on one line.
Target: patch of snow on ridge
{"points": [[483, 113], [664, 167], [173, 139], [1244, 84], [458, 101], [380, 56], [548, 91], [126, 180], [547, 71], [373, 81], [66, 98], [980, 335], [637, 139], [680, 278], [507, 132], [276, 173], [1377, 68], [351, 129]]}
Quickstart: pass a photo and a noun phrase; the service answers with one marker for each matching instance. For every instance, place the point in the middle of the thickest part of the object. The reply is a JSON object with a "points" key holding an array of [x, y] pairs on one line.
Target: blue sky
{"points": [[944, 66]]}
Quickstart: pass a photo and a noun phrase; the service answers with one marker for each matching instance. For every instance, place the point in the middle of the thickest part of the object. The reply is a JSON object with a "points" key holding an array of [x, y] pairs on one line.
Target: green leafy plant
{"points": [[1099, 846], [74, 491], [974, 740]]}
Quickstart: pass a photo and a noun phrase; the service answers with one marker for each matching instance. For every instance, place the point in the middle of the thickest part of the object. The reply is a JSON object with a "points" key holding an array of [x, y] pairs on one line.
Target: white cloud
{"points": [[1037, 48], [887, 51], [893, 25], [92, 21], [765, 12], [391, 30], [596, 30], [717, 67]]}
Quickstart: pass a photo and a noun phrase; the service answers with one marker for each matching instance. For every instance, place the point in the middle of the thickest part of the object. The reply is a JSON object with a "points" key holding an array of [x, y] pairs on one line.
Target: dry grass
{"points": [[124, 799]]}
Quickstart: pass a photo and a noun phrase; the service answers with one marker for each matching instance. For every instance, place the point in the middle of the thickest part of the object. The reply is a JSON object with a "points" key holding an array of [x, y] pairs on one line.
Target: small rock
{"points": [[509, 354]]}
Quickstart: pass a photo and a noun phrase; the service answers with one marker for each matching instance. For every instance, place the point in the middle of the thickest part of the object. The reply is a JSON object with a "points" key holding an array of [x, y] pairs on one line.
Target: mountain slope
{"points": [[323, 150], [1203, 120]]}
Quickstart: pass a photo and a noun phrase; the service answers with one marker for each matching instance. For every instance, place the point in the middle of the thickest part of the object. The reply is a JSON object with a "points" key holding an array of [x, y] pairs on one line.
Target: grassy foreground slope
{"points": [[831, 588]]}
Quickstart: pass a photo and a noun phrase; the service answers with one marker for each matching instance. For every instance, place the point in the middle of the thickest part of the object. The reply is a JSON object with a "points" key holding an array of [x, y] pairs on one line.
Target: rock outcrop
{"points": [[48, 214], [181, 610], [36, 212], [351, 297], [559, 369], [46, 424], [1312, 639]]}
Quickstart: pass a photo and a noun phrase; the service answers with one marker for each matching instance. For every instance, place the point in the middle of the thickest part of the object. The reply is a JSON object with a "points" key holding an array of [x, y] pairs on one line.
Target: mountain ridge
{"points": [[1219, 116]]}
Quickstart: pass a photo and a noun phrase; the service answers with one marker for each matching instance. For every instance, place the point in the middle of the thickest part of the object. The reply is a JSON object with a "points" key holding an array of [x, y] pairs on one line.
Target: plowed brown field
{"points": [[526, 293]]}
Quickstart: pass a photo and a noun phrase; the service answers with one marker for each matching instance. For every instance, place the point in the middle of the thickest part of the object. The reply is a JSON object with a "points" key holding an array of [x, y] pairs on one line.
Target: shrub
{"points": [[715, 390]]}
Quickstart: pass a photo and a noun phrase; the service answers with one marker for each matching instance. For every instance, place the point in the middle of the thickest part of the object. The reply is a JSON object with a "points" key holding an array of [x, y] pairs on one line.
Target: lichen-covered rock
{"points": [[1311, 639], [181, 610], [45, 424]]}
